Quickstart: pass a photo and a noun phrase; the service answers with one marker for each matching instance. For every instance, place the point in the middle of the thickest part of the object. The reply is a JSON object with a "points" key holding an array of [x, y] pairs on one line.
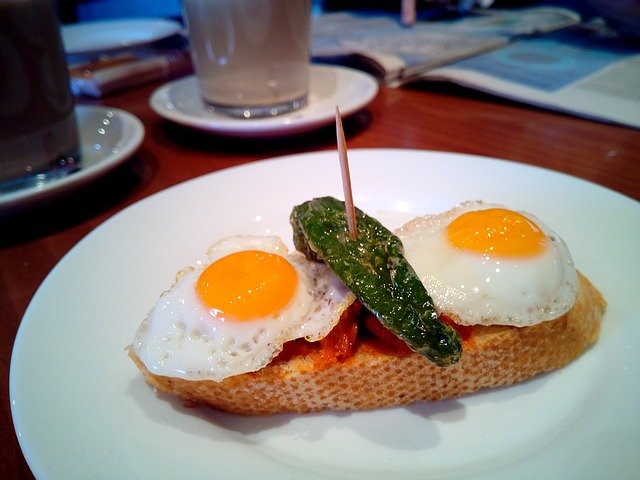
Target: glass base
{"points": [[260, 111], [61, 167], [30, 160]]}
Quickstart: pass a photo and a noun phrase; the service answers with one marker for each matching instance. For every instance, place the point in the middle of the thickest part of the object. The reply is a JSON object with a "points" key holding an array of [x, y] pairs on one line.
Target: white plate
{"points": [[349, 89], [81, 409], [111, 35], [108, 136]]}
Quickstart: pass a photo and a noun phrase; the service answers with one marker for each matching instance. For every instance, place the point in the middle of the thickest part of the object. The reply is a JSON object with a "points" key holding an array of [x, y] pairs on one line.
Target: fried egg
{"points": [[486, 264], [234, 314]]}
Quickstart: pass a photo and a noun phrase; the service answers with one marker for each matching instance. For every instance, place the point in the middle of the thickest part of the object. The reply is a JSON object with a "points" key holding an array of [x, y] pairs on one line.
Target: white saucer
{"points": [[108, 136], [349, 89], [109, 35]]}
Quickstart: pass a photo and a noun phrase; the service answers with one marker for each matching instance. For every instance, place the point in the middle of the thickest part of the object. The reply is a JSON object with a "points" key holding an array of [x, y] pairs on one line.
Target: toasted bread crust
{"points": [[495, 356]]}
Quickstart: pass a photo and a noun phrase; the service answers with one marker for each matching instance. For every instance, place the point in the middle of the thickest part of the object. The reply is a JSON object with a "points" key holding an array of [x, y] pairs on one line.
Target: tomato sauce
{"points": [[357, 324]]}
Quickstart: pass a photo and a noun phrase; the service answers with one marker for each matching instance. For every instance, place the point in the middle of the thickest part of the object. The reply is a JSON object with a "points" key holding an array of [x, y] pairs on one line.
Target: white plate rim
{"points": [[89, 37], [102, 161], [364, 86], [546, 454]]}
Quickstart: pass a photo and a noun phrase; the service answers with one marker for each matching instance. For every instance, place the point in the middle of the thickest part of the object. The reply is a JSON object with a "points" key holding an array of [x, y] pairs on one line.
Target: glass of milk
{"points": [[251, 57], [38, 132]]}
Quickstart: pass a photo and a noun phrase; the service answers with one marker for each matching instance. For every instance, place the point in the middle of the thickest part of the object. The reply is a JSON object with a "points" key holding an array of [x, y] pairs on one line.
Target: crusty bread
{"points": [[493, 356]]}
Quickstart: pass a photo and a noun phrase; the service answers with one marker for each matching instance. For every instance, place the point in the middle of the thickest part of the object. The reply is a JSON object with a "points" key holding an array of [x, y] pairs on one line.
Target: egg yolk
{"points": [[247, 284], [496, 231]]}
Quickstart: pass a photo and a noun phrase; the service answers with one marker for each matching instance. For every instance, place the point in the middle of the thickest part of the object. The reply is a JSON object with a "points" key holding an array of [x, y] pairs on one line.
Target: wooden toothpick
{"points": [[346, 178]]}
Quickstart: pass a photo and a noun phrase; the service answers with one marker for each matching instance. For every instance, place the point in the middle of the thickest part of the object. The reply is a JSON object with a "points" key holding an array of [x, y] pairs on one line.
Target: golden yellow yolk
{"points": [[497, 231], [247, 284]]}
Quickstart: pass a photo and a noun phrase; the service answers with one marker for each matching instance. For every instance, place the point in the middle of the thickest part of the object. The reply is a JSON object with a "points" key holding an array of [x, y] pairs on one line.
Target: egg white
{"points": [[478, 289], [180, 338]]}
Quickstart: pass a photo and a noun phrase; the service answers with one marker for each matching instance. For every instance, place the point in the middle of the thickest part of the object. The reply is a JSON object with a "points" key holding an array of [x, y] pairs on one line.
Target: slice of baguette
{"points": [[494, 356]]}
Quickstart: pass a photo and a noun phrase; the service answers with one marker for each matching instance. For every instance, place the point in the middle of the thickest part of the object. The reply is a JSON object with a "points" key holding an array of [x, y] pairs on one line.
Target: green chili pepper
{"points": [[374, 268]]}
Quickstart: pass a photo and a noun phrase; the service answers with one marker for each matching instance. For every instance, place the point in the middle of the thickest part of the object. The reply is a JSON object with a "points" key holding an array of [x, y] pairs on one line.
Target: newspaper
{"points": [[394, 52], [541, 56], [582, 71]]}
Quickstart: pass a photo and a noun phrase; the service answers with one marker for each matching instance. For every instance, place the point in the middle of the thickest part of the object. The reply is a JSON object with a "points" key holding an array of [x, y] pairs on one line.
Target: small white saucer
{"points": [[110, 35], [330, 86], [108, 136]]}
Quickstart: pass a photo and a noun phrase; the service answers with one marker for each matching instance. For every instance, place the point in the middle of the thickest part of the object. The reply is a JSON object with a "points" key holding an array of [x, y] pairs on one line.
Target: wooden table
{"points": [[32, 242]]}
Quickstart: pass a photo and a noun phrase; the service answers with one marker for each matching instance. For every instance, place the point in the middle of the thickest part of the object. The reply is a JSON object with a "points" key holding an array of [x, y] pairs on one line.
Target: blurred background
{"points": [[622, 15], [86, 10]]}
